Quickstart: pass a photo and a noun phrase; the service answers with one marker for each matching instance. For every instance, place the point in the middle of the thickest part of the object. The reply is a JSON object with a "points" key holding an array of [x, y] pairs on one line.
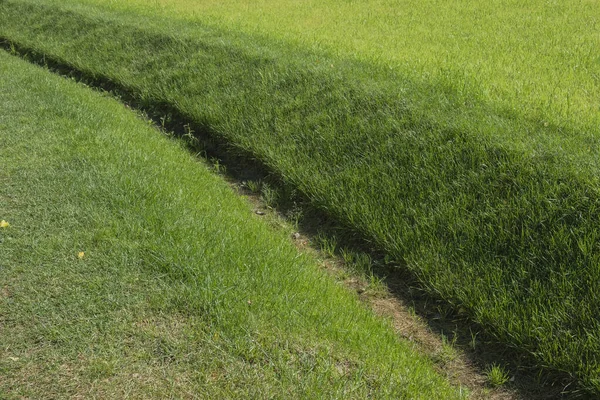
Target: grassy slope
{"points": [[182, 291], [495, 211], [538, 56]]}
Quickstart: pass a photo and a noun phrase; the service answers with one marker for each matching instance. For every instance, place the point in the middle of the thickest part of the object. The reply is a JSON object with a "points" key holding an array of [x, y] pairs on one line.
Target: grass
{"points": [[496, 375], [490, 198], [130, 270], [539, 57]]}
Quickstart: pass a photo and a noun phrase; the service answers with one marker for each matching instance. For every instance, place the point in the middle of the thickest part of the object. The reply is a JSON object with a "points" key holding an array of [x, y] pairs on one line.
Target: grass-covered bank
{"points": [[496, 212], [539, 57], [129, 270]]}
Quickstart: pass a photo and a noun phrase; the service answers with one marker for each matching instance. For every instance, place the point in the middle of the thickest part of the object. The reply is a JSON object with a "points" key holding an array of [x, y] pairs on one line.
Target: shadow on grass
{"points": [[240, 166]]}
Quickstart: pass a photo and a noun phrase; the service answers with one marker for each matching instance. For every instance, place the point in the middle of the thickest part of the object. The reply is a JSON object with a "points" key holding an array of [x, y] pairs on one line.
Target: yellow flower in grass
{"points": [[4, 224], [80, 255]]}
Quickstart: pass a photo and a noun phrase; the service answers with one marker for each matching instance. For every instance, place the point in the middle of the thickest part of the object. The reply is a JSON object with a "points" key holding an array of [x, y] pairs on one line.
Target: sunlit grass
{"points": [[129, 270], [492, 204], [536, 58]]}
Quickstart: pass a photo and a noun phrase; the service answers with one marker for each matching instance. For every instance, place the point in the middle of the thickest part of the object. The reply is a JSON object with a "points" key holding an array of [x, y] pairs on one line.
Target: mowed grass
{"points": [[536, 58], [129, 270], [495, 209]]}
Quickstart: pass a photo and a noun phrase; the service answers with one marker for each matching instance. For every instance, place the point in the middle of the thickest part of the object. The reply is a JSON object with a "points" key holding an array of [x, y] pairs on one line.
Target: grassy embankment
{"points": [[536, 56], [180, 289], [490, 198]]}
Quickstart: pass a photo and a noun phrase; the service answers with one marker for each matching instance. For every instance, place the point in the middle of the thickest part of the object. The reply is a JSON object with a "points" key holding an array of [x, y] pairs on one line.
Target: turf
{"points": [[129, 270], [538, 57], [494, 207]]}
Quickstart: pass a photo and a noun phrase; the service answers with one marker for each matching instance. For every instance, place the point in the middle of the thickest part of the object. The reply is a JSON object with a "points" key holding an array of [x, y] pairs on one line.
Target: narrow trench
{"points": [[460, 349]]}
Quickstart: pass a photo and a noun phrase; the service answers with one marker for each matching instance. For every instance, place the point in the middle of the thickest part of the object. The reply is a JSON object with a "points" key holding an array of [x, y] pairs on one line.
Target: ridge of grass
{"points": [[495, 212], [130, 270], [536, 56]]}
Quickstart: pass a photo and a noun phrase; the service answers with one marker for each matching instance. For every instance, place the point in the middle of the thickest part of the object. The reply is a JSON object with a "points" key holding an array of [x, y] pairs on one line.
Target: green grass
{"points": [[491, 199], [496, 375], [181, 291], [538, 58]]}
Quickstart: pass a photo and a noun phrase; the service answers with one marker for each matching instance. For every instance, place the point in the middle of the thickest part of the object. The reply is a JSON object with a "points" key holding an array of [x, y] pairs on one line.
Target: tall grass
{"points": [[494, 209]]}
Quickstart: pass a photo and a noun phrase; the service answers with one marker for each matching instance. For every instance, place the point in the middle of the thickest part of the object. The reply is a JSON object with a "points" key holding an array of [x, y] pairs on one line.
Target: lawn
{"points": [[467, 150], [129, 270], [537, 58]]}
